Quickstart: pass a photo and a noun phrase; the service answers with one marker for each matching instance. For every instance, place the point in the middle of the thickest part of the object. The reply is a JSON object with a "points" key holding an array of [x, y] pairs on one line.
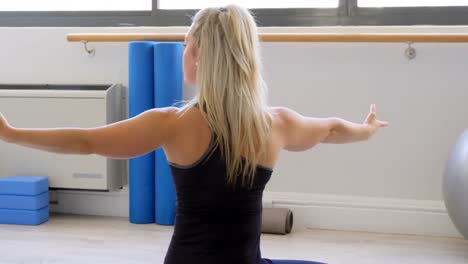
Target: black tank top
{"points": [[216, 222]]}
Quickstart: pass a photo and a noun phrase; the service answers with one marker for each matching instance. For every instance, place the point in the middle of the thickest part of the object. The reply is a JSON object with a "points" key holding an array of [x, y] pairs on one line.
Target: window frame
{"points": [[160, 17], [347, 14], [399, 16]]}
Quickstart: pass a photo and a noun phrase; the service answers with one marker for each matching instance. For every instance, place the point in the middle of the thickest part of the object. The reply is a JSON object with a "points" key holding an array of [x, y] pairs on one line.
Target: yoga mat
{"points": [[168, 80], [141, 98], [277, 221]]}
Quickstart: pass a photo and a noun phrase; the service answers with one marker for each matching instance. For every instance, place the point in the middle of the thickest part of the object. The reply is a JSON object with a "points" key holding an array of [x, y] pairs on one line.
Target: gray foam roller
{"points": [[455, 184], [277, 221]]}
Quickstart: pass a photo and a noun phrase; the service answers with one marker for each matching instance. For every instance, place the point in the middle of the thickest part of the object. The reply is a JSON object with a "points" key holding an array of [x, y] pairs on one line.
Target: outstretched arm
{"points": [[348, 132], [301, 133], [125, 139]]}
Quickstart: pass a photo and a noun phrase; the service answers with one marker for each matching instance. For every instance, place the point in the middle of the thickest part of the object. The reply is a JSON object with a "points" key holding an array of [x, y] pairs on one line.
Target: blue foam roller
{"points": [[24, 217], [24, 202], [24, 185], [141, 98], [168, 82]]}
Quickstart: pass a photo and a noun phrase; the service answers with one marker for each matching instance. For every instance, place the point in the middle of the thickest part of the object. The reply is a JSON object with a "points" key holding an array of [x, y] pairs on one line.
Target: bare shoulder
{"points": [[182, 120], [298, 132], [283, 116], [166, 111], [167, 114], [281, 120], [166, 118], [279, 111]]}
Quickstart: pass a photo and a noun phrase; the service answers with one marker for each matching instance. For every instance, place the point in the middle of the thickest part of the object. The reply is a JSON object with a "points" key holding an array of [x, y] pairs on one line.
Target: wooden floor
{"points": [[85, 239]]}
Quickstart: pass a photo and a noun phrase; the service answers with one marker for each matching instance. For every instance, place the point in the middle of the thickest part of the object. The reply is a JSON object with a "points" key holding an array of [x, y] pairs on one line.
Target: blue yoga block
{"points": [[24, 185], [24, 202], [24, 217]]}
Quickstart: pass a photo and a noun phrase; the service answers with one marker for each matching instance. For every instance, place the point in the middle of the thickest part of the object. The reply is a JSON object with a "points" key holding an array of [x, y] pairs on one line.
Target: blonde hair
{"points": [[231, 91]]}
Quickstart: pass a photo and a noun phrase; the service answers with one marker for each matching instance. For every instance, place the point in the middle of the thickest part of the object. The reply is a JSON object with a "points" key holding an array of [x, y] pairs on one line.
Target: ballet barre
{"points": [[284, 37], [408, 38]]}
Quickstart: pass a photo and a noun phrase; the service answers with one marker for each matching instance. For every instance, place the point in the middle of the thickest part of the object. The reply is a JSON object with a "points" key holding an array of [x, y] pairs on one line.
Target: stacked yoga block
{"points": [[155, 81], [24, 200]]}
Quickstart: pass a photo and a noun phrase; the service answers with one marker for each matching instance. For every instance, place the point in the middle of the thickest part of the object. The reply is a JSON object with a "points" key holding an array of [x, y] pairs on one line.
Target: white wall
{"points": [[424, 100]]}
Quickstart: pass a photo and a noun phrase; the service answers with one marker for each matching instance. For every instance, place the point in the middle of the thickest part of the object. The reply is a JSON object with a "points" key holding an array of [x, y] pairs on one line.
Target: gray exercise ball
{"points": [[455, 184]]}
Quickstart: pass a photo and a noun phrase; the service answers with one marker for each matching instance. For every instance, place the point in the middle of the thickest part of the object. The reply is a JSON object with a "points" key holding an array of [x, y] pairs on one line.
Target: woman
{"points": [[221, 146]]}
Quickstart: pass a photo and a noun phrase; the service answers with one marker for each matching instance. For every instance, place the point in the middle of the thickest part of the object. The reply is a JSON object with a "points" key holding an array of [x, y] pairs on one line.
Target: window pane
{"points": [[407, 3], [75, 5], [190, 4]]}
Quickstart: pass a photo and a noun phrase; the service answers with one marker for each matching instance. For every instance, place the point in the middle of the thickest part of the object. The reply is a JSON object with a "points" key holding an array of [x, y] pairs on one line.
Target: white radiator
{"points": [[63, 106]]}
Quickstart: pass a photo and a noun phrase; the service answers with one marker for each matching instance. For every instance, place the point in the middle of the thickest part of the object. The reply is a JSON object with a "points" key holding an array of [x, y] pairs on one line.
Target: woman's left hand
{"points": [[4, 127], [372, 123]]}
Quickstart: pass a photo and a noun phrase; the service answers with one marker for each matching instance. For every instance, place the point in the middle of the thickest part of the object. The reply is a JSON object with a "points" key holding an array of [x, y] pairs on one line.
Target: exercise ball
{"points": [[455, 184]]}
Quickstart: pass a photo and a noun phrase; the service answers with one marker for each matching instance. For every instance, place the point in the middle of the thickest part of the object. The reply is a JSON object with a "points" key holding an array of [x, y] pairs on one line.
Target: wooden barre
{"points": [[286, 37]]}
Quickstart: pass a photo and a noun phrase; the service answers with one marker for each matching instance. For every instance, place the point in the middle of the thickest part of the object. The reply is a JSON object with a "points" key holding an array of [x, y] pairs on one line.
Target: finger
{"points": [[371, 116], [372, 108], [383, 123]]}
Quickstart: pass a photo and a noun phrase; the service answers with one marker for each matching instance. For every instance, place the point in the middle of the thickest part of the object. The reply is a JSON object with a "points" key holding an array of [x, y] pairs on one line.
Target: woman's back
{"points": [[191, 137], [216, 222]]}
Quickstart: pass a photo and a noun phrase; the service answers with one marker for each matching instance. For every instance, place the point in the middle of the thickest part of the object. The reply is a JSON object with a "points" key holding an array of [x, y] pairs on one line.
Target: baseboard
{"points": [[369, 214], [353, 213], [114, 203]]}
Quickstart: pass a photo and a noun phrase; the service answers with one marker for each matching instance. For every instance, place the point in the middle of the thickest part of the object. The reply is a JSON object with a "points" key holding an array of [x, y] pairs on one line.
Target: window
{"points": [[190, 4], [115, 13], [411, 3], [75, 5], [410, 12]]}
